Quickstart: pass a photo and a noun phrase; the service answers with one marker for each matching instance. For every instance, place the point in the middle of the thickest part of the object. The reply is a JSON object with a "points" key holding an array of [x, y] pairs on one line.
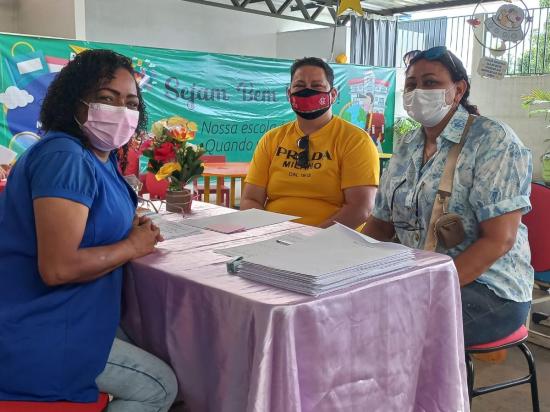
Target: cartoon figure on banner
{"points": [[368, 102], [509, 24]]}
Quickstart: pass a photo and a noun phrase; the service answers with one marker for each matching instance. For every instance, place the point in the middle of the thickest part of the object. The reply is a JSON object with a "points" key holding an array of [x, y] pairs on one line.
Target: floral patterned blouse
{"points": [[492, 177]]}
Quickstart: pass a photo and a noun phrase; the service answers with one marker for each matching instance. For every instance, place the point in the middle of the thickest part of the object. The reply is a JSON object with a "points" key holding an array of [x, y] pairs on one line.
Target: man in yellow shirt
{"points": [[318, 167]]}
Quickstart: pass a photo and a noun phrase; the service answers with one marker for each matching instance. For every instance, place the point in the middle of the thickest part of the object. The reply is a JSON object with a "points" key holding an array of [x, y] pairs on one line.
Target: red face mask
{"points": [[309, 103]]}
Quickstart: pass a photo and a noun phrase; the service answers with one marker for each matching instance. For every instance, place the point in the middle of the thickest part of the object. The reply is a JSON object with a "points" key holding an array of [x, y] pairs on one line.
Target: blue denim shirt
{"points": [[492, 177]]}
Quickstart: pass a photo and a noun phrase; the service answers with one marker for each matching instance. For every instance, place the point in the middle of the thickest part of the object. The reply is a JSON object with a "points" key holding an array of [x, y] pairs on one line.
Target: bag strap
{"points": [[441, 202]]}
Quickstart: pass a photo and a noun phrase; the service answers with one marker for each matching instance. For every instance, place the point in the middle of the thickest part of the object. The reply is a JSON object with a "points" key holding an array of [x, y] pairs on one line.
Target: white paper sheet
{"points": [[264, 246], [247, 219], [171, 226]]}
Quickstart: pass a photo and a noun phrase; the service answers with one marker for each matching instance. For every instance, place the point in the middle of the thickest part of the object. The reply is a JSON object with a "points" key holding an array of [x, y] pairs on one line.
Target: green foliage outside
{"points": [[536, 58], [538, 103]]}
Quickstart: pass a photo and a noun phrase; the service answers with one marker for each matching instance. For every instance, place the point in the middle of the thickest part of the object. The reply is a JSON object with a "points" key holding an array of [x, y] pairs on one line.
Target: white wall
{"points": [[316, 43], [173, 24], [501, 99], [54, 18], [182, 25], [8, 14]]}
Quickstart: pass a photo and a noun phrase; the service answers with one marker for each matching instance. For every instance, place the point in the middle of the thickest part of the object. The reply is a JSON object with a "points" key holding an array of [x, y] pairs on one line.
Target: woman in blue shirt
{"points": [[490, 192], [68, 226]]}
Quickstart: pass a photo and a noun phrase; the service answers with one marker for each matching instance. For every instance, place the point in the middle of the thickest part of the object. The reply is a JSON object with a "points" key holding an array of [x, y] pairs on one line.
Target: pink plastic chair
{"points": [[516, 339]]}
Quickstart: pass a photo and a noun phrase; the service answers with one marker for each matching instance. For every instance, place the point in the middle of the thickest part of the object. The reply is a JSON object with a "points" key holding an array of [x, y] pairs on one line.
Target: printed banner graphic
{"points": [[233, 99]]}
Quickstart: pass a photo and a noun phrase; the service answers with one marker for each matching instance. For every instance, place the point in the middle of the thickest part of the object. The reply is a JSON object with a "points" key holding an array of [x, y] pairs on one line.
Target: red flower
{"points": [[146, 144], [165, 152]]}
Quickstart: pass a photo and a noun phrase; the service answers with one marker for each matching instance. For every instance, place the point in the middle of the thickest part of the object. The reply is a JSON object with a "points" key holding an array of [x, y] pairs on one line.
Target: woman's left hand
{"points": [[140, 220]]}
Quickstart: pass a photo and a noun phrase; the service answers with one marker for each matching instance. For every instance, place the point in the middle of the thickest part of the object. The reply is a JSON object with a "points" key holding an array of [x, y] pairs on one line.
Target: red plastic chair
{"points": [[538, 225], [199, 189], [26, 406], [517, 339]]}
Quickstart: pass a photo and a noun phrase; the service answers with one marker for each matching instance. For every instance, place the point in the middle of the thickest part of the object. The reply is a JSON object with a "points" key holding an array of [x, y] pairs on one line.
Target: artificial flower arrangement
{"points": [[171, 155]]}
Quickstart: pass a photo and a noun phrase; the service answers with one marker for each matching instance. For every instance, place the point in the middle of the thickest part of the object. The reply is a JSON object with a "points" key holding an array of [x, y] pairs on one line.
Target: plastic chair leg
{"points": [[533, 372], [470, 376]]}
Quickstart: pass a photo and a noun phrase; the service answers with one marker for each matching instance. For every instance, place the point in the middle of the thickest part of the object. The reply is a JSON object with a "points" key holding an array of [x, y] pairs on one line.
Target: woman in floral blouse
{"points": [[490, 192]]}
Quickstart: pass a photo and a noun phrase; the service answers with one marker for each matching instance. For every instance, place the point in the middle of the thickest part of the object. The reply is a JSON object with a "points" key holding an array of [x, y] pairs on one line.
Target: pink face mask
{"points": [[109, 127]]}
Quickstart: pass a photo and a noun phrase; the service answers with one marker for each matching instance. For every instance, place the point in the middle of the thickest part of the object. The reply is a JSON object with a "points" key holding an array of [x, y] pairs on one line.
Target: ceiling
{"points": [[323, 12]]}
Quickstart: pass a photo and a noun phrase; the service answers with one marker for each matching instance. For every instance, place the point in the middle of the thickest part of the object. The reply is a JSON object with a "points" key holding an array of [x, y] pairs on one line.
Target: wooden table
{"points": [[233, 170]]}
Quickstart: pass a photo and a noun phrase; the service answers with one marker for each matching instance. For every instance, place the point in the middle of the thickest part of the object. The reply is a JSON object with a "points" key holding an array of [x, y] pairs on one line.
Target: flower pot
{"points": [[179, 201]]}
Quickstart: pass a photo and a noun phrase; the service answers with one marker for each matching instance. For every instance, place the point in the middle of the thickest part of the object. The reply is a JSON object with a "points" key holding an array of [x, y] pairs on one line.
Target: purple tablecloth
{"points": [[392, 344]]}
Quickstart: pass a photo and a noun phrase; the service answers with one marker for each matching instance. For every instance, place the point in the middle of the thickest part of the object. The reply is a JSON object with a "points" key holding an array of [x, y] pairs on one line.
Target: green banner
{"points": [[233, 99]]}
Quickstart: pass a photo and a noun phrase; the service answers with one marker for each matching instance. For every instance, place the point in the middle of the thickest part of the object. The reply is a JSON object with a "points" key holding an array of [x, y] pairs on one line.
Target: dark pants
{"points": [[488, 317]]}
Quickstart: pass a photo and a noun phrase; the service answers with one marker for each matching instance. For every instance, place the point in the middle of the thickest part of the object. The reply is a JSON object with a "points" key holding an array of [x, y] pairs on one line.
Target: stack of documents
{"points": [[334, 258]]}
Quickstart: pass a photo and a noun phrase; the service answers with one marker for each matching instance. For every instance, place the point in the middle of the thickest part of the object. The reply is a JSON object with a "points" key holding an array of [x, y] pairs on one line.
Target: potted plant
{"points": [[541, 99], [173, 158]]}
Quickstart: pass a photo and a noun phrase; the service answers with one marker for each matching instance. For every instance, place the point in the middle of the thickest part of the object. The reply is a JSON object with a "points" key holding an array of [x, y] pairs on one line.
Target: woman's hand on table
{"points": [[145, 219], [143, 237]]}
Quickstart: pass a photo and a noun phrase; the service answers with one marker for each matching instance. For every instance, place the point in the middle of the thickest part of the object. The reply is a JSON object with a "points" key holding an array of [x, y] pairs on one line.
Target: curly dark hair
{"points": [[82, 75]]}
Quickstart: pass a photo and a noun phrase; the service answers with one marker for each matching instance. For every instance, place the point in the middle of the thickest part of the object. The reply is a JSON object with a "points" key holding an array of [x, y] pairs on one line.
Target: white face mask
{"points": [[427, 107]]}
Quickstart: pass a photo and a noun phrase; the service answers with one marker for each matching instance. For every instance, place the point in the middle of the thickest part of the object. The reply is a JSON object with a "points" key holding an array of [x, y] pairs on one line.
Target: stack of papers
{"points": [[334, 258]]}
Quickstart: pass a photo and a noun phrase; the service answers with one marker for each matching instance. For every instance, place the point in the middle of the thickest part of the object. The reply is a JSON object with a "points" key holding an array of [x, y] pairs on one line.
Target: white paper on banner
{"points": [[492, 68], [6, 155], [29, 66]]}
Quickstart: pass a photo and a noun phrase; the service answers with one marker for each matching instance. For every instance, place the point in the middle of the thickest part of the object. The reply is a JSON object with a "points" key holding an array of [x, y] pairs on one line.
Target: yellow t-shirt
{"points": [[341, 156]]}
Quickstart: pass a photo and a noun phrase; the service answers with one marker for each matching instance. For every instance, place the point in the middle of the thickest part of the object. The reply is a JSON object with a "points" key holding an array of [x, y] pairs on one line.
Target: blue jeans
{"points": [[137, 380], [488, 317]]}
